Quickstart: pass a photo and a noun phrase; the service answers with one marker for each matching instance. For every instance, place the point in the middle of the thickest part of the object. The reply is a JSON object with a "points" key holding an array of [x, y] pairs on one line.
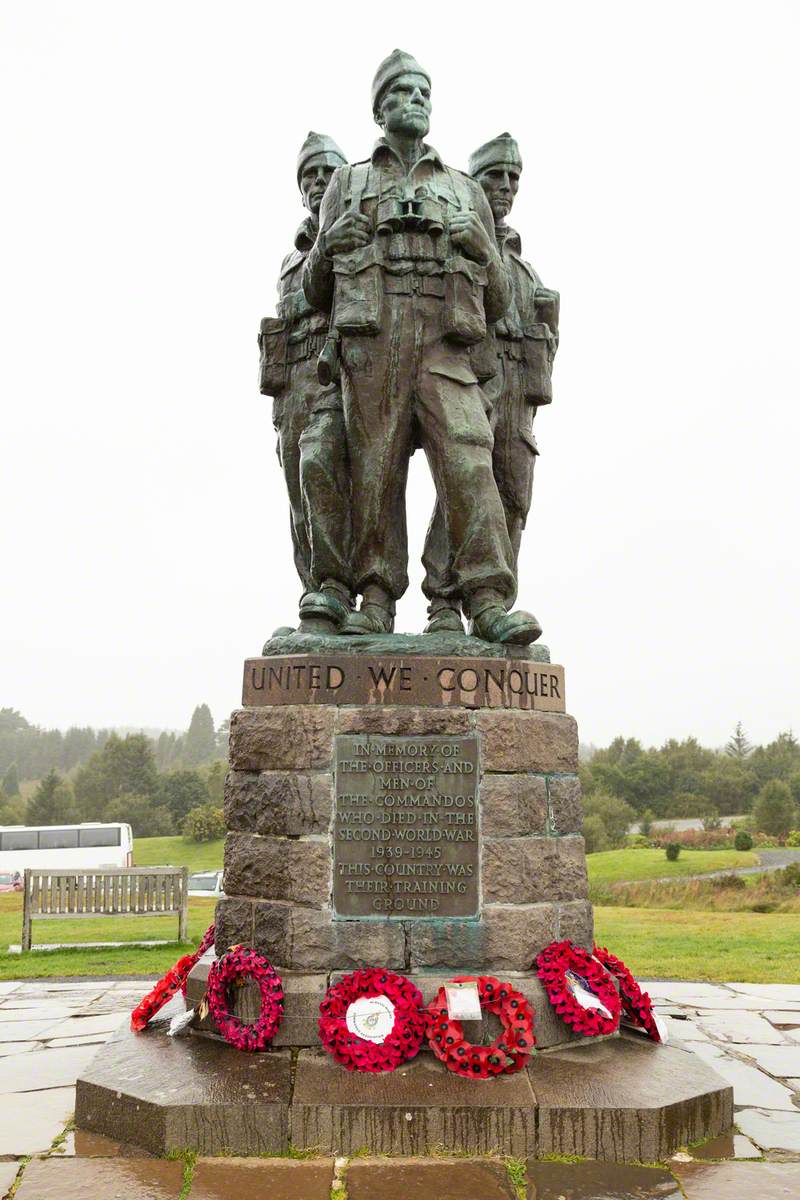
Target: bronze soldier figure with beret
{"points": [[307, 416], [524, 341], [407, 262]]}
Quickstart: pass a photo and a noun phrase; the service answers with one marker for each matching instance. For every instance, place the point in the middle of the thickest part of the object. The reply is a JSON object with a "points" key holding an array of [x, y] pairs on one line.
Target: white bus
{"points": [[56, 847]]}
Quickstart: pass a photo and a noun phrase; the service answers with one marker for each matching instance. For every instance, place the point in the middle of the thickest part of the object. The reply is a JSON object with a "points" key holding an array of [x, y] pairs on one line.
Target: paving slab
{"points": [[7, 1048], [453, 1179], [732, 1181], [419, 1108], [185, 1093], [771, 1130], [36, 1071], [104, 1023], [33, 1011], [676, 989], [7, 986], [89, 1039], [24, 1031], [793, 1083], [246, 1179], [81, 1144], [101, 1179], [729, 1145], [8, 1173], [29, 1122], [782, 1061], [739, 1027], [794, 1034], [751, 1087], [733, 1003], [782, 1017], [627, 1100], [595, 1180], [775, 991], [684, 1030]]}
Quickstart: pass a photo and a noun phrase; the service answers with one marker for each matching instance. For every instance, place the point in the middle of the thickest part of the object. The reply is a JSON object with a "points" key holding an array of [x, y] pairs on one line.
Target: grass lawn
{"points": [[712, 946], [618, 866], [177, 852]]}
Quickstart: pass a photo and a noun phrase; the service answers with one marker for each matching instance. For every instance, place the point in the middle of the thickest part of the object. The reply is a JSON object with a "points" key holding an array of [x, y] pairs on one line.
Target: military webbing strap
{"points": [[357, 179]]}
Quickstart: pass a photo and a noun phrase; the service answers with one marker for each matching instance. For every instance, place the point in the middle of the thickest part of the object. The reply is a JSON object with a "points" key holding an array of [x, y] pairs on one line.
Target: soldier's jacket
{"points": [[528, 330], [410, 215], [299, 331]]}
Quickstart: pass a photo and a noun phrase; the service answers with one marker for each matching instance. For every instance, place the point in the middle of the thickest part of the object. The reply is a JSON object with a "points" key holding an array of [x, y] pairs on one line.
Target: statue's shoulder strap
{"points": [[357, 180]]}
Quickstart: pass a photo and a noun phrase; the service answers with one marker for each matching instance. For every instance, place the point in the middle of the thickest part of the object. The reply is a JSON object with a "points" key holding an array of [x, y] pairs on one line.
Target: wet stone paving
{"points": [[50, 1030]]}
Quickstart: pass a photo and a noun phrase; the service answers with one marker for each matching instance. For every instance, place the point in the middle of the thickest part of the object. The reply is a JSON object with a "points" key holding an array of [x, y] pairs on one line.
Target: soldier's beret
{"points": [[502, 149], [319, 143], [398, 63]]}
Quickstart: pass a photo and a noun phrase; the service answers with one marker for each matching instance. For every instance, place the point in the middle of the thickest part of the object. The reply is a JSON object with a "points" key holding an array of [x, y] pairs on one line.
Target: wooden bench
{"points": [[115, 892]]}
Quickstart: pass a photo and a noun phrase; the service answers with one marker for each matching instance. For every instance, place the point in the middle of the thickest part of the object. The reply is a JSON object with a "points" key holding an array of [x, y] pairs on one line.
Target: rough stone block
{"points": [[528, 741], [135, 1179], [308, 939], [534, 870], [566, 810], [248, 1179], [173, 1094], [279, 802], [293, 737], [297, 869], [415, 1110], [626, 1100], [413, 721], [576, 923], [507, 938], [513, 805], [444, 1178], [234, 921]]}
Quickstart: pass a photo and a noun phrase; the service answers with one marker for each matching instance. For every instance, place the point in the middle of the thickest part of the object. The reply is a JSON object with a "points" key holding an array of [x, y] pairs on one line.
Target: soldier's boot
{"points": [[376, 614], [444, 616], [326, 610], [490, 621]]}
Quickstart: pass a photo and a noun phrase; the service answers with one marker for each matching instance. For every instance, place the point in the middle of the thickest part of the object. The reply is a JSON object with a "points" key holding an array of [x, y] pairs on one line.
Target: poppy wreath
{"points": [[552, 966], [174, 981], [237, 964], [356, 1053], [636, 1004], [509, 1051]]}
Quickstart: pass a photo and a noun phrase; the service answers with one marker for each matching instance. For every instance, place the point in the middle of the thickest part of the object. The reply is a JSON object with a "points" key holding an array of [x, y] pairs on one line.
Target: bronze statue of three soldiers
{"points": [[408, 318]]}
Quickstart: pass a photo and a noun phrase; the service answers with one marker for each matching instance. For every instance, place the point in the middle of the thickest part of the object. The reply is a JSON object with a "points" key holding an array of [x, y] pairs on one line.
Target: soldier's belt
{"points": [[414, 285], [509, 348], [307, 348]]}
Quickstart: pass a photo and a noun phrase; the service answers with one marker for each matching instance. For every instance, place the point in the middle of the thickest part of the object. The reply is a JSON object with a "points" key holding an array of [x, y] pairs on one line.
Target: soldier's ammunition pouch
{"points": [[358, 292], [483, 358], [411, 284], [272, 345], [308, 345], [538, 351], [464, 318]]}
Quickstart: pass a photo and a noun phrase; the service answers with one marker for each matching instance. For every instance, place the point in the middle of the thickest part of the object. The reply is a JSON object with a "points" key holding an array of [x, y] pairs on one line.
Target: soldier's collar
{"points": [[508, 238], [382, 150], [306, 234]]}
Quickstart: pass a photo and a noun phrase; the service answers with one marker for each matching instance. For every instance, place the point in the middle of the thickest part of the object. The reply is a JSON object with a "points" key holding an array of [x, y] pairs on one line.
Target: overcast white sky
{"points": [[148, 155]]}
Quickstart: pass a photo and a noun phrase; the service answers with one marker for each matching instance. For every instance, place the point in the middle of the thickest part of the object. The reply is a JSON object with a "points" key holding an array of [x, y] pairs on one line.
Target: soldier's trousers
{"points": [[513, 460], [313, 453], [404, 383]]}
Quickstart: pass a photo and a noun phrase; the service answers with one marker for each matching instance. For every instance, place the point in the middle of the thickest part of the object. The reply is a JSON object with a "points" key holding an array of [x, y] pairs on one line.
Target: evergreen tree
{"points": [[51, 803], [199, 745], [738, 746], [10, 786], [216, 782], [180, 792], [774, 812]]}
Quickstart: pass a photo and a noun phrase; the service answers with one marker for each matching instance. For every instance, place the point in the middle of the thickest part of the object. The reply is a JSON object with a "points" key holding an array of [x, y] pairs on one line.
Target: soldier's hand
{"points": [[350, 232], [468, 231]]}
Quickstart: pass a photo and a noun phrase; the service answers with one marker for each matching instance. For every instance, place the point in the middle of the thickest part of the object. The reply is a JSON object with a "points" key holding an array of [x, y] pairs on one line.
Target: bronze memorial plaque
{"points": [[406, 832]]}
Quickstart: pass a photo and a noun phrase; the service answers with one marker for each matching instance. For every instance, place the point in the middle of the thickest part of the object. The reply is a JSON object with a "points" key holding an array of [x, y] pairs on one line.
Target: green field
{"points": [[622, 866], [711, 946], [177, 852]]}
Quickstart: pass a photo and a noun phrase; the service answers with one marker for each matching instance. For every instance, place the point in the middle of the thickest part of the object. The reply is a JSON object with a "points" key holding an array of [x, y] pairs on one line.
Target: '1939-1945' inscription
{"points": [[406, 827]]}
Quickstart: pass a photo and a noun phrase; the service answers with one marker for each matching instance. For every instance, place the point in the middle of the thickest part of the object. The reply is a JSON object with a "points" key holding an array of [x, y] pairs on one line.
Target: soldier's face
{"points": [[406, 106], [315, 177], [500, 182]]}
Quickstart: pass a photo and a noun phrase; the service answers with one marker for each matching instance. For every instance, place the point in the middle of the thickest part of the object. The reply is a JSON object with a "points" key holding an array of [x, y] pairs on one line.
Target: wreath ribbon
{"points": [[510, 1050]]}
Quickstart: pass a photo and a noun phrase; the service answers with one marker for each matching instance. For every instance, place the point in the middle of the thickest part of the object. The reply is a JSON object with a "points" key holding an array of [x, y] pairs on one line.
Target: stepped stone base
{"points": [[622, 1099]]}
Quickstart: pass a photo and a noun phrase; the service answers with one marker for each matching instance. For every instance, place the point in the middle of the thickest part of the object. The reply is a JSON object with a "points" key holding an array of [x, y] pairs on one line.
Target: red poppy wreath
{"points": [[579, 988], [509, 1051], [174, 980], [372, 1020], [636, 1004], [236, 965]]}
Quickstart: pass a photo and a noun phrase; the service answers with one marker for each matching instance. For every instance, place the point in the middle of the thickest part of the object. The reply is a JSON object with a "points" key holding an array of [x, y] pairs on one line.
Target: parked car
{"points": [[10, 881], [206, 883]]}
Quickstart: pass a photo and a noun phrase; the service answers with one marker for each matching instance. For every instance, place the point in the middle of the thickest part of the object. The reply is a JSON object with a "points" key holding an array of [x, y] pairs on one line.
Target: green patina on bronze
{"points": [[408, 319]]}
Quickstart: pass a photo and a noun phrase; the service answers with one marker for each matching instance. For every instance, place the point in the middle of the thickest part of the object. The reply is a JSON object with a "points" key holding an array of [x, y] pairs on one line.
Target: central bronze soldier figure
{"points": [[407, 260]]}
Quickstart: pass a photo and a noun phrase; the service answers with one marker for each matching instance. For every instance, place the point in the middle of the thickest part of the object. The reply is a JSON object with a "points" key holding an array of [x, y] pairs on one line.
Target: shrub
{"points": [[673, 850], [794, 838], [204, 823], [774, 810], [594, 832], [646, 822], [743, 840], [145, 817], [711, 819], [637, 841], [763, 906], [695, 839], [730, 881], [790, 876], [614, 813]]}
